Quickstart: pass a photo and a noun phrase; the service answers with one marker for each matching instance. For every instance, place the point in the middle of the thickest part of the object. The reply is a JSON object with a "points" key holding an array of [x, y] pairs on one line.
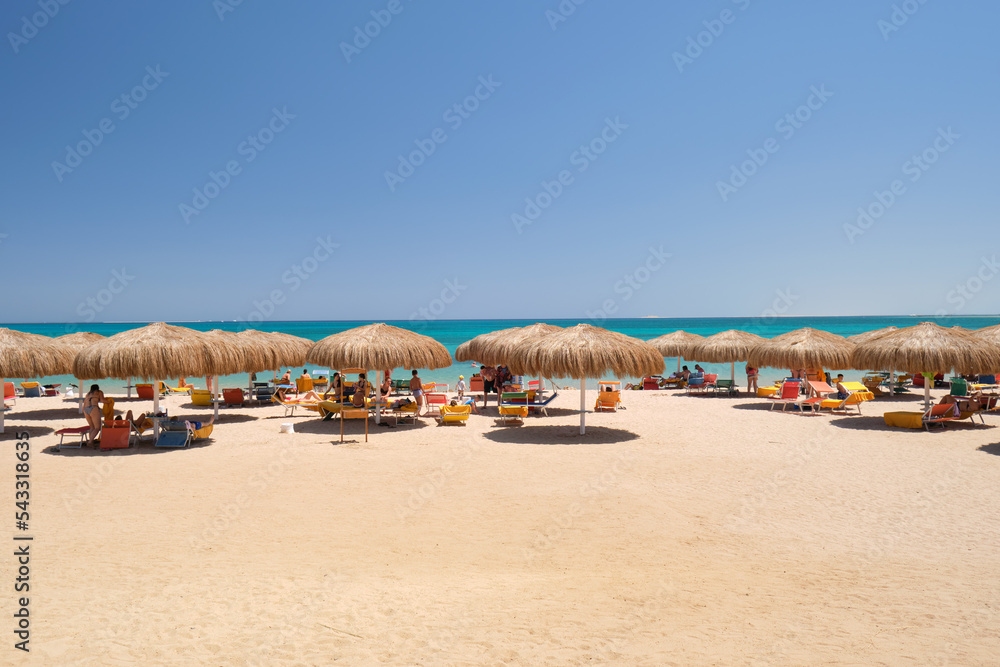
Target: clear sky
{"points": [[508, 159]]}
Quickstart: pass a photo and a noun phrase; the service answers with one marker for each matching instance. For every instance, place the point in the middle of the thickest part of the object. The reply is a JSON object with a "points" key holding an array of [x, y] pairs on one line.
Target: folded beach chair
{"points": [[788, 393], [726, 387], [116, 434], [32, 390], [302, 385], [81, 431], [607, 401], [435, 400], [174, 434], [455, 414], [233, 397]]}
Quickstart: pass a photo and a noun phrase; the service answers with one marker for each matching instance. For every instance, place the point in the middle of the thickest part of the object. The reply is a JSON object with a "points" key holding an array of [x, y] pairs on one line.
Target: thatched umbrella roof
{"points": [[732, 345], [857, 339], [152, 352], [26, 355], [803, 348], [378, 347], [990, 334], [676, 344], [586, 351], [273, 351], [497, 347], [929, 348], [79, 340]]}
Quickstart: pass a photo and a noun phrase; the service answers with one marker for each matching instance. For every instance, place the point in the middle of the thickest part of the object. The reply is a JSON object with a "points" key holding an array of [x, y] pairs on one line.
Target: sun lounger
{"points": [[81, 431], [855, 398], [144, 391], [650, 384], [542, 406], [513, 414], [232, 397], [820, 392], [435, 400], [9, 393], [201, 397], [788, 393], [941, 414], [726, 387], [31, 390], [607, 401], [164, 389], [290, 405], [173, 434], [455, 414], [116, 434], [302, 385]]}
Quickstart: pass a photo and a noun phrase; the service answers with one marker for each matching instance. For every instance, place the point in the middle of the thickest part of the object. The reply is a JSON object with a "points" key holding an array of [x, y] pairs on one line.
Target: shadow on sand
{"points": [[559, 435], [993, 449]]}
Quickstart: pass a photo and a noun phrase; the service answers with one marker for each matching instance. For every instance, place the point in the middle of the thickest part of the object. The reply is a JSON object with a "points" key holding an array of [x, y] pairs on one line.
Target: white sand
{"points": [[681, 531]]}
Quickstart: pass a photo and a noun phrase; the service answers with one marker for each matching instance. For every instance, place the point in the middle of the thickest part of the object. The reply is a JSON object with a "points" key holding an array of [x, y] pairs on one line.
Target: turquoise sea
{"points": [[451, 333]]}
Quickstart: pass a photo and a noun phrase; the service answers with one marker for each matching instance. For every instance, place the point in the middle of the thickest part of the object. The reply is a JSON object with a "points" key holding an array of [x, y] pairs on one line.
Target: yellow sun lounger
{"points": [[455, 414], [291, 405], [201, 397], [164, 389], [513, 414]]}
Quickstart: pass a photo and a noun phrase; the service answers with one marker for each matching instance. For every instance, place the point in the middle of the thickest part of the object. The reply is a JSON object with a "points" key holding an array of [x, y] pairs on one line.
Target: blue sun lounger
{"points": [[173, 434]]}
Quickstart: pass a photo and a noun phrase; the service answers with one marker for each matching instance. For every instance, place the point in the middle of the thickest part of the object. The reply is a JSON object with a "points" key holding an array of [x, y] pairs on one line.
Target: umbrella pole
{"points": [[928, 381], [128, 390], [215, 397], [583, 406], [156, 409], [341, 401], [732, 372], [378, 395], [678, 363], [80, 388], [4, 411]]}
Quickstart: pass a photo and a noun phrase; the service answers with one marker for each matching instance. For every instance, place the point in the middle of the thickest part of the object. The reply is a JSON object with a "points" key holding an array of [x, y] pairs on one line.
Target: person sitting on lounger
{"points": [[360, 392], [685, 373], [141, 423], [962, 404], [386, 387], [842, 391], [699, 369], [465, 401], [305, 374]]}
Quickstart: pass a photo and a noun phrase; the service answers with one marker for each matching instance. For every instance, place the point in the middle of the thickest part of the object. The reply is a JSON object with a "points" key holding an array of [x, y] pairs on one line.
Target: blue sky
{"points": [[567, 165]]}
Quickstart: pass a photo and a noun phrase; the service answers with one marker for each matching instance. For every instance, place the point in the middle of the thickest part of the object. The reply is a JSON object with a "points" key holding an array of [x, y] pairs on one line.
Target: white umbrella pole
{"points": [[928, 381], [215, 396], [128, 389], [732, 372], [678, 363], [380, 376], [156, 408], [3, 384], [583, 405], [892, 382], [79, 382]]}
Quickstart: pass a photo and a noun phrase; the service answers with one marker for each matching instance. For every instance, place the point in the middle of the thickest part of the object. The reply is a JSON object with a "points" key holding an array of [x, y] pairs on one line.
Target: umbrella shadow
{"points": [[50, 413], [560, 435], [13, 431], [355, 428], [993, 449], [142, 448]]}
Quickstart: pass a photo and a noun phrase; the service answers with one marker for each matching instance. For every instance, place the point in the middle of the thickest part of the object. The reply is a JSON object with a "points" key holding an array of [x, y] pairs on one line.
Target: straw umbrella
{"points": [[677, 344], [587, 351], [803, 348], [25, 355], [153, 352], [378, 346], [77, 341], [929, 349], [857, 339], [989, 334], [732, 346], [497, 347]]}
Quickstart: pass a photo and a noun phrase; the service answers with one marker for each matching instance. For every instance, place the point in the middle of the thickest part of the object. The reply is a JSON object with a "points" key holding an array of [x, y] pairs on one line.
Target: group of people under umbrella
{"points": [[160, 350]]}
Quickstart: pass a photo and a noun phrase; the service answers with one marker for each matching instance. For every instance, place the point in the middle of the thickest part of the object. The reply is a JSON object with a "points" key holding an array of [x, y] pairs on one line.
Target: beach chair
{"points": [[201, 397], [855, 398], [164, 389], [454, 414], [649, 384], [513, 414], [607, 401], [401, 387], [821, 390], [32, 390], [173, 434], [405, 413], [726, 387], [144, 391], [541, 406], [959, 387], [942, 414], [116, 434], [233, 397], [262, 392], [788, 393], [9, 393], [81, 431], [873, 383], [302, 385], [289, 405], [435, 400]]}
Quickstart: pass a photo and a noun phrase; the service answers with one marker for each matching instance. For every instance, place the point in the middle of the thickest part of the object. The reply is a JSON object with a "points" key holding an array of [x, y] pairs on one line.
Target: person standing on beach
{"points": [[489, 375], [417, 389], [751, 380], [460, 387], [92, 411]]}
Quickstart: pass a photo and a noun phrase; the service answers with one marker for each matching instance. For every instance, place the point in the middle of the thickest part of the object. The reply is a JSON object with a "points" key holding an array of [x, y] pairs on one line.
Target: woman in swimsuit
{"points": [[360, 392], [92, 411]]}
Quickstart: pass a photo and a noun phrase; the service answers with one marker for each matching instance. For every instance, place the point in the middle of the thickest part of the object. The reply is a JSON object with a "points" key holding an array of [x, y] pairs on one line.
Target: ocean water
{"points": [[451, 333]]}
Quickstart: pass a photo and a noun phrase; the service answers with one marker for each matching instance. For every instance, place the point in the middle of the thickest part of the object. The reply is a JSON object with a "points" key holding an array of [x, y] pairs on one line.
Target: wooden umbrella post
{"points": [[583, 406], [156, 409]]}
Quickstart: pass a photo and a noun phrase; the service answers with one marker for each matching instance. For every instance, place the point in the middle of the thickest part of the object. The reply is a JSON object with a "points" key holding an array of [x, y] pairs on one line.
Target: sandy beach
{"points": [[679, 531]]}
